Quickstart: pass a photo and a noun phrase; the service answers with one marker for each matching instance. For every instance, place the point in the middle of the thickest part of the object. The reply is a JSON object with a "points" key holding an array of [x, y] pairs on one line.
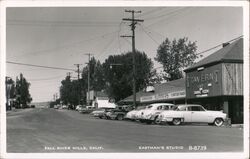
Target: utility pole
{"points": [[78, 71], [69, 74], [78, 79], [88, 98], [133, 23]]}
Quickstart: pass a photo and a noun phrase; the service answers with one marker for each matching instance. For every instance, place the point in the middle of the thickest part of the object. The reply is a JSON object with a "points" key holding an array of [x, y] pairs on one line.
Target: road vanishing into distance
{"points": [[50, 130]]}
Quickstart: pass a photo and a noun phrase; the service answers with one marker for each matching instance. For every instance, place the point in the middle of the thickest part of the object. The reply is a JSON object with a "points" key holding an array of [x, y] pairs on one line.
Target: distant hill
{"points": [[41, 104]]}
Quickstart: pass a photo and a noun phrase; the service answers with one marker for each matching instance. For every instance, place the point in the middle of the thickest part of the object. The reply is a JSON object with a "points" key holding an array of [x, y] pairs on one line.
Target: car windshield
{"points": [[149, 106], [174, 108]]}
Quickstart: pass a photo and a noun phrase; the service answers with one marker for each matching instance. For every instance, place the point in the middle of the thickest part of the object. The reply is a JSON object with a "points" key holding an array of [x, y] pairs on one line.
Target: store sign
{"points": [[147, 98], [201, 93], [163, 96], [202, 78], [204, 82]]}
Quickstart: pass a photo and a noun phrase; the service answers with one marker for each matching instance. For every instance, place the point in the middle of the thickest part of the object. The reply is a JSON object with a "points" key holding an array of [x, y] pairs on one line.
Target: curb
{"points": [[237, 125]]}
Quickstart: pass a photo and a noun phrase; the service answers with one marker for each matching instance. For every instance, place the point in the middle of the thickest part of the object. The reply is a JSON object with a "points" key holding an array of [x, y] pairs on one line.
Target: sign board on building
{"points": [[164, 96], [205, 82]]}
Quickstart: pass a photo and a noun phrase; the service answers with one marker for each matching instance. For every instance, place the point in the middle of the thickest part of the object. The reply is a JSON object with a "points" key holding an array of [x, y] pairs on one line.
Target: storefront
{"points": [[170, 92], [216, 82]]}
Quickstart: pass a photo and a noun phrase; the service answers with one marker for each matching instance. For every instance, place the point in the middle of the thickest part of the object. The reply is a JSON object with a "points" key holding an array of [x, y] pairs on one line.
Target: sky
{"points": [[60, 37]]}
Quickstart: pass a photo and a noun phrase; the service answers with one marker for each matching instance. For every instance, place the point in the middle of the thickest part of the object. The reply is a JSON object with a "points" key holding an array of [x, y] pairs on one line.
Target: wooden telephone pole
{"points": [[133, 23]]}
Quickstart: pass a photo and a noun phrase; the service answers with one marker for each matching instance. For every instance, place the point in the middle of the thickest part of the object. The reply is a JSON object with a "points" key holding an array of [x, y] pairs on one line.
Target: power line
{"points": [[107, 46], [174, 13], [151, 11], [218, 45], [68, 45], [149, 35], [32, 65], [166, 14], [45, 79], [61, 23]]}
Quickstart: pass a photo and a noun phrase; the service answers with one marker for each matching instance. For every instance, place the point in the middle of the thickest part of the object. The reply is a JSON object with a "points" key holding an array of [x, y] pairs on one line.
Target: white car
{"points": [[192, 113], [132, 115], [150, 114]]}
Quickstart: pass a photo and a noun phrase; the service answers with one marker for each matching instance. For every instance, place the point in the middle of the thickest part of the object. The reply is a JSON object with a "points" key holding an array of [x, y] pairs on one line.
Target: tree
{"points": [[176, 56], [118, 71], [22, 91], [97, 81]]}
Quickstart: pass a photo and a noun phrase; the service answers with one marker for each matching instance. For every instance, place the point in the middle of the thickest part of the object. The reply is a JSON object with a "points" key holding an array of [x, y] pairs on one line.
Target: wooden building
{"points": [[169, 92], [216, 82]]}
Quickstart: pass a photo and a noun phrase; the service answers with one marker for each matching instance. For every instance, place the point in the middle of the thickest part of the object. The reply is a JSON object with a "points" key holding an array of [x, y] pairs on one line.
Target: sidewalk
{"points": [[237, 125]]}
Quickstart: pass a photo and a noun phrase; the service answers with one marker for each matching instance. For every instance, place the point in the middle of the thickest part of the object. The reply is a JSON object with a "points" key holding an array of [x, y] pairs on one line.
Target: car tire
{"points": [[120, 117], [157, 121], [142, 120], [218, 122], [176, 121], [148, 122]]}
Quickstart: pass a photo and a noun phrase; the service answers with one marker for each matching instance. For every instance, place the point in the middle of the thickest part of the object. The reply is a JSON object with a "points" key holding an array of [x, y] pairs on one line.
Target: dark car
{"points": [[118, 113], [86, 110], [101, 112]]}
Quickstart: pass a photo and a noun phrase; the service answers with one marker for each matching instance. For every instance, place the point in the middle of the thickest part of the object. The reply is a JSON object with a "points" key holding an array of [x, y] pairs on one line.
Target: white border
{"points": [[149, 3]]}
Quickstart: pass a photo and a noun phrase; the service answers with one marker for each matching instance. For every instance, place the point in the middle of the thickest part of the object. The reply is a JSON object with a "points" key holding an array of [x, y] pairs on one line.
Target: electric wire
{"points": [[149, 35], [32, 65], [219, 45], [67, 46]]}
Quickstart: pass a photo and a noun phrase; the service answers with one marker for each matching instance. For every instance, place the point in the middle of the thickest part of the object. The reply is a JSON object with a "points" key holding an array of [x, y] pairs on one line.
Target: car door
{"points": [[186, 114], [198, 114]]}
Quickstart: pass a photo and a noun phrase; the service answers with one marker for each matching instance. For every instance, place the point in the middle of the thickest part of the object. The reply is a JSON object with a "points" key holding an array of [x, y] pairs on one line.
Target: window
{"points": [[159, 108], [196, 108], [182, 108], [166, 107]]}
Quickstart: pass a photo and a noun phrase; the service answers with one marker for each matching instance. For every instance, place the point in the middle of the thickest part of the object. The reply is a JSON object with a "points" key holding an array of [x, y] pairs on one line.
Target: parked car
{"points": [[132, 115], [56, 106], [118, 113], [64, 107], [192, 113], [101, 112], [150, 114], [79, 107], [86, 110]]}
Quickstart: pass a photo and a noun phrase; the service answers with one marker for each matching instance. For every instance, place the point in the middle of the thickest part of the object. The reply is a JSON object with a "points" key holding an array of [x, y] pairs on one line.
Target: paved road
{"points": [[49, 130]]}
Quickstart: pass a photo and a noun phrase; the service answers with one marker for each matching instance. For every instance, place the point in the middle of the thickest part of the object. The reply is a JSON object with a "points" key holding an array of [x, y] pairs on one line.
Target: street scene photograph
{"points": [[155, 79]]}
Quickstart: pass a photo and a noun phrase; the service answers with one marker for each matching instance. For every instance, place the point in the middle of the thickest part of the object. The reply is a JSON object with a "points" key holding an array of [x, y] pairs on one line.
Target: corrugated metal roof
{"points": [[230, 53]]}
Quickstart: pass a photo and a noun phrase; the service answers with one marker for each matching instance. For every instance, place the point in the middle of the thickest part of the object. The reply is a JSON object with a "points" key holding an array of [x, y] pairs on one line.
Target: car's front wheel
{"points": [[218, 122], [157, 120], [120, 117], [176, 121]]}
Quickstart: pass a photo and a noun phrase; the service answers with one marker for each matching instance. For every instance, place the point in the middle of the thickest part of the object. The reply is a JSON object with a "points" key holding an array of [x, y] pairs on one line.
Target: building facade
{"points": [[216, 82]]}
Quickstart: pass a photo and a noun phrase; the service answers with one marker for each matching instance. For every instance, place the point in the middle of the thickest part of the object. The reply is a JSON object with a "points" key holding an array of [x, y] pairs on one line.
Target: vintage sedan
{"points": [[119, 112], [150, 114], [132, 115], [192, 113], [101, 112]]}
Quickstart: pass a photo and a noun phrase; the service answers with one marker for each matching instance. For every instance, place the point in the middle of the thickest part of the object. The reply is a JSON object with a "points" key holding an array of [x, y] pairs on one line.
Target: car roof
{"points": [[158, 104], [187, 105]]}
